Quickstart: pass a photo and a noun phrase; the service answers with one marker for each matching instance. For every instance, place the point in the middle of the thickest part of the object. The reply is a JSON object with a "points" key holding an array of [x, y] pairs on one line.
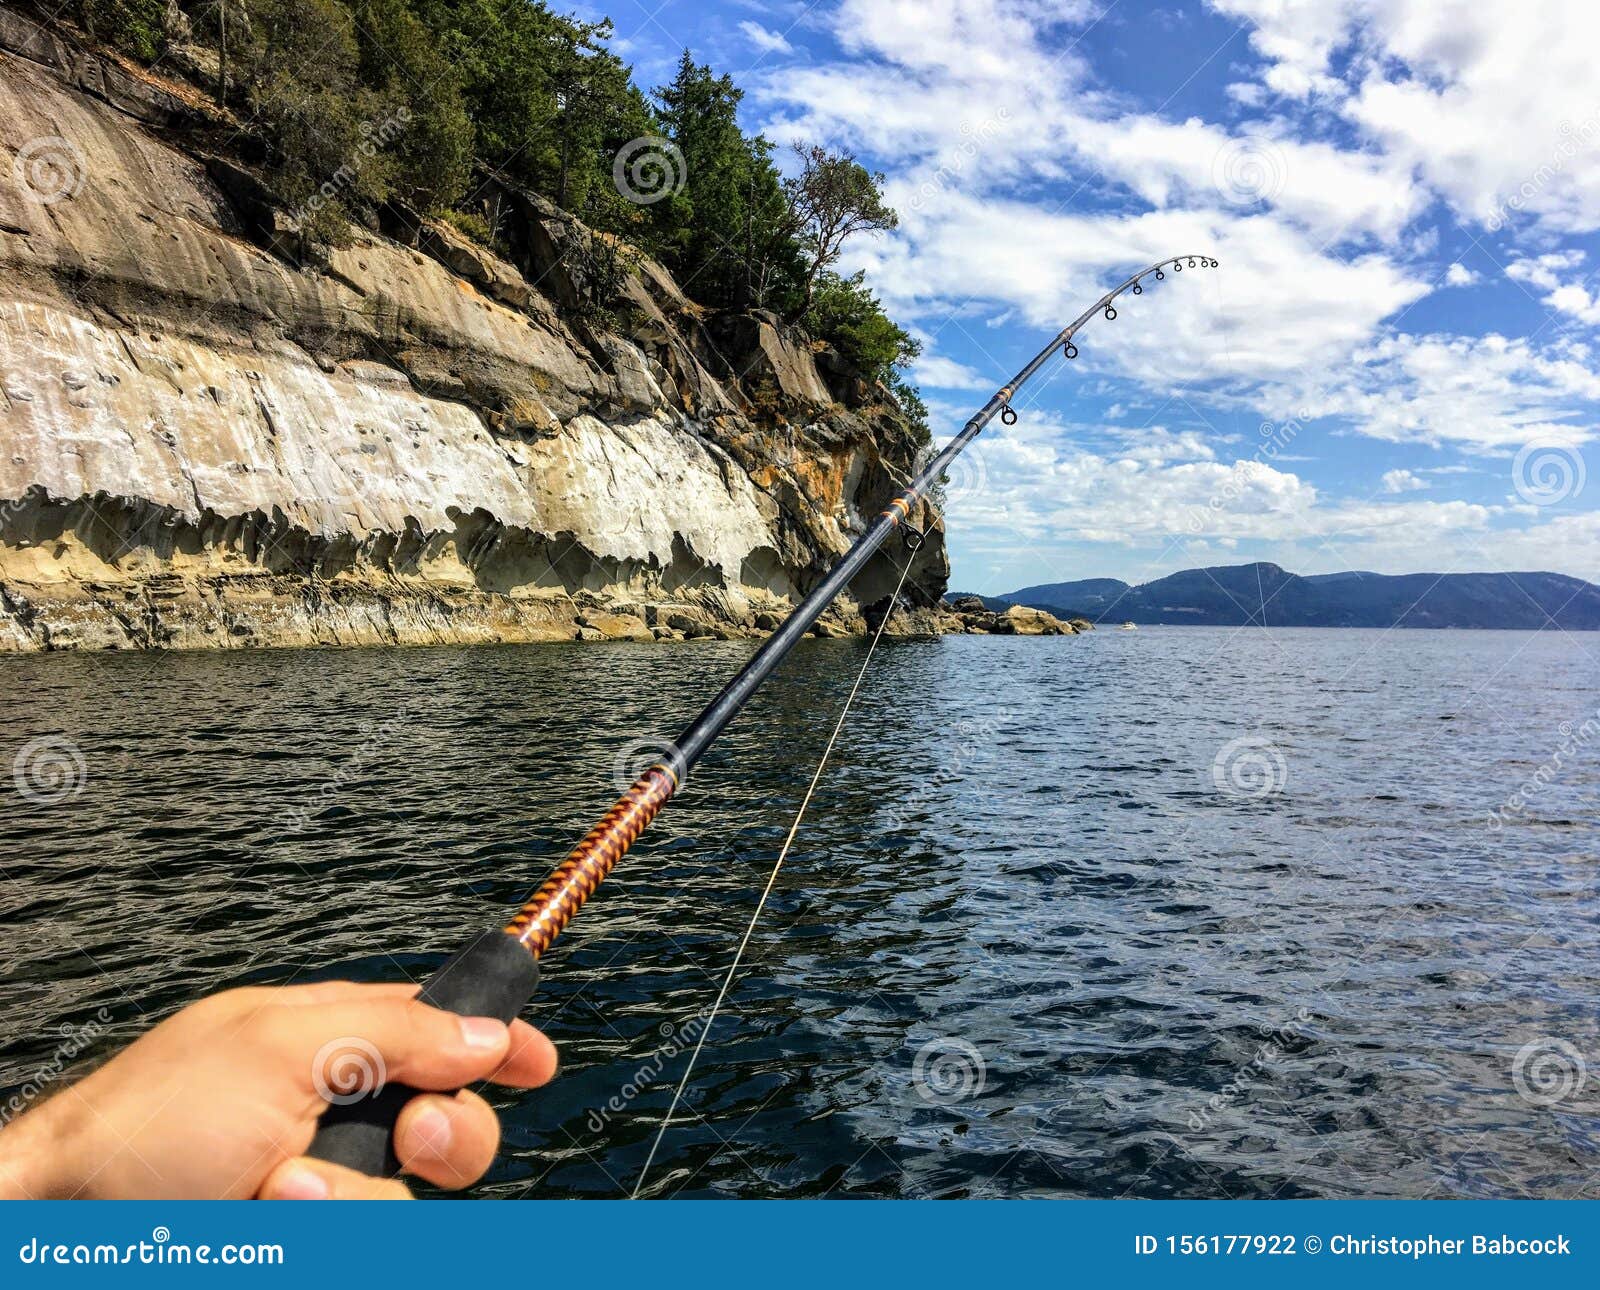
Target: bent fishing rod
{"points": [[497, 973]]}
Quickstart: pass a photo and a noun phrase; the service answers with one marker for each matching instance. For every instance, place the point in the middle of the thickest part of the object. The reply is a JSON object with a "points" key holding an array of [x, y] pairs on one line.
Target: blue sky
{"points": [[1395, 368]]}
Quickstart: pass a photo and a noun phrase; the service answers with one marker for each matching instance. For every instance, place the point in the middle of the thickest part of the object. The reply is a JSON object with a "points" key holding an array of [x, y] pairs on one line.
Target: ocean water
{"points": [[1175, 912]]}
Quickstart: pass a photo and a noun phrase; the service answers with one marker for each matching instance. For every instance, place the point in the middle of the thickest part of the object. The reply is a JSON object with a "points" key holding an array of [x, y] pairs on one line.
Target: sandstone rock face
{"points": [[212, 434]]}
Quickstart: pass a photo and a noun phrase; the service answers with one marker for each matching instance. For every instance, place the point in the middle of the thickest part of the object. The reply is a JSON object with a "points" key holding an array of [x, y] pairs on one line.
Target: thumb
{"points": [[303, 1178], [352, 1047]]}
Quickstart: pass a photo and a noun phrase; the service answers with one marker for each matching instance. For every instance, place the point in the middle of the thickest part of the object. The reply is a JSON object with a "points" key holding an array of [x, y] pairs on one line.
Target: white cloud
{"points": [[967, 94], [1029, 500], [1036, 492], [768, 42], [1277, 308], [1544, 270], [1332, 193], [1489, 394], [1576, 299], [1402, 481], [1497, 111], [941, 373], [1026, 188]]}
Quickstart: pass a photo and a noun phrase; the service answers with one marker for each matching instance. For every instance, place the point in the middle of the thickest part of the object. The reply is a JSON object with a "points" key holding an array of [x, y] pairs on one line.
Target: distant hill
{"points": [[1235, 595], [1087, 597]]}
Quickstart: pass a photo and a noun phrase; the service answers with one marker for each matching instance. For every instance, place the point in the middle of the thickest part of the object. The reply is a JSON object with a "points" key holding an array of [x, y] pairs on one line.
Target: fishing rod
{"points": [[498, 972]]}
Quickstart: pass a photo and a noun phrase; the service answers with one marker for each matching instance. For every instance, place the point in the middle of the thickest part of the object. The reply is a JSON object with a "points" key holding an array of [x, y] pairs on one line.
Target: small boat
{"points": [[1130, 627]]}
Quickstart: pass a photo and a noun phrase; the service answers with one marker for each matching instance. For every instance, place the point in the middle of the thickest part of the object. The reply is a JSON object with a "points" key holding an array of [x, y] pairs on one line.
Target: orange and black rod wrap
{"points": [[498, 972]]}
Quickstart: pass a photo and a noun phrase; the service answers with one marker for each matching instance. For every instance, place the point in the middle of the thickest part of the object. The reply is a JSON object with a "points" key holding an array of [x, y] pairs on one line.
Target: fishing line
{"points": [[497, 972], [772, 878]]}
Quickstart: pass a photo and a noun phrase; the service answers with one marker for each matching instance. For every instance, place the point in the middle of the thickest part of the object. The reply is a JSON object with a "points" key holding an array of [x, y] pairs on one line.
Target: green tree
{"points": [[428, 134], [846, 314], [831, 200], [136, 26], [550, 102], [362, 100], [299, 72], [725, 232]]}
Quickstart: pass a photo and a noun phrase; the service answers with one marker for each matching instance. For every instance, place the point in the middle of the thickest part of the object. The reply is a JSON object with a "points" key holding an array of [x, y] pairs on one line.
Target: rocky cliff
{"points": [[214, 433]]}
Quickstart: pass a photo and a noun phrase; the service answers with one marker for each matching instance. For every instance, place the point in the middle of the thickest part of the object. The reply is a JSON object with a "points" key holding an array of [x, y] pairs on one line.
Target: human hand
{"points": [[222, 1099]]}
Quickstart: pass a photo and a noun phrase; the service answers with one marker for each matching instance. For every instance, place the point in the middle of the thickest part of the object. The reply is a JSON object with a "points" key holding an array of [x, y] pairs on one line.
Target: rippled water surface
{"points": [[1171, 912]]}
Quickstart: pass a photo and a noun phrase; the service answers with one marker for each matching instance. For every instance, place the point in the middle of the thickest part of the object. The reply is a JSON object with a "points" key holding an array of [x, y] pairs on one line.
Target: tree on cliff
{"points": [[138, 26], [358, 103], [551, 104], [727, 229], [830, 201]]}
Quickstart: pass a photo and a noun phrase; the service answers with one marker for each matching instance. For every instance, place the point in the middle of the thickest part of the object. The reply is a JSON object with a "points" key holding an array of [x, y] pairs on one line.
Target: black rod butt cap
{"points": [[494, 976]]}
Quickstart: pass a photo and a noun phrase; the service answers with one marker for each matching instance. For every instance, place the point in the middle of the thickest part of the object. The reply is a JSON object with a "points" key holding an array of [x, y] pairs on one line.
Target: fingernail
{"points": [[433, 1131], [483, 1032], [300, 1183]]}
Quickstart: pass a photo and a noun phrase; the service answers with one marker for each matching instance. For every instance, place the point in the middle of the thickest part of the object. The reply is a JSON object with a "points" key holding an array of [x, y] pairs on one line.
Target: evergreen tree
{"points": [[725, 232]]}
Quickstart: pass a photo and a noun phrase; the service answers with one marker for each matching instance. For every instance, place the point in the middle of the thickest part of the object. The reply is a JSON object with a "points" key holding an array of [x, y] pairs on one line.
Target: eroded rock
{"points": [[213, 434]]}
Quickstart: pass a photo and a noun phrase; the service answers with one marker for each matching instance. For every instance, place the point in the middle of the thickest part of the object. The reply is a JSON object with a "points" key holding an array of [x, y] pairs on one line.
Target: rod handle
{"points": [[494, 976]]}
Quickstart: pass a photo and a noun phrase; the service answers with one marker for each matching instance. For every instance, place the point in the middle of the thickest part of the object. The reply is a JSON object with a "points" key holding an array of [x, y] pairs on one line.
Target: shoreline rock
{"points": [[213, 433]]}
